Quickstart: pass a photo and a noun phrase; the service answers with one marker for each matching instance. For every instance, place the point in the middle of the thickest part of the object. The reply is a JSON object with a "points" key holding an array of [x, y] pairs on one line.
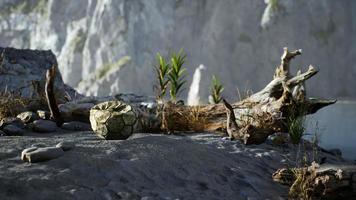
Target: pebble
{"points": [[2, 133], [12, 130], [76, 126], [44, 126], [13, 121], [43, 114]]}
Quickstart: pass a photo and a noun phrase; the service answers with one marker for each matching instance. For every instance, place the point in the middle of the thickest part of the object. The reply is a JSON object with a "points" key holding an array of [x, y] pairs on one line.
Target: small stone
{"points": [[66, 145], [12, 130], [2, 133], [43, 114], [13, 121], [278, 138], [27, 117], [44, 126], [76, 126], [35, 154], [38, 145]]}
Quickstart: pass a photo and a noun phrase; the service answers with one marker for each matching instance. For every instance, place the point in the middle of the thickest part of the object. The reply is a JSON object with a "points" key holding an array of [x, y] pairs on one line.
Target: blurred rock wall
{"points": [[109, 46]]}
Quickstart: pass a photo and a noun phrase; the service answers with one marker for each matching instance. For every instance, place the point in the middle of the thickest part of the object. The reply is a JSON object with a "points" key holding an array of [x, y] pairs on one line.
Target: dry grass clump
{"points": [[177, 118], [11, 105]]}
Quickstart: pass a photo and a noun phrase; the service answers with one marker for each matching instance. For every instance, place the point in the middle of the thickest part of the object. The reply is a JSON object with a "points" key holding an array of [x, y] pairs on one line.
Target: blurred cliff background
{"points": [[109, 46]]}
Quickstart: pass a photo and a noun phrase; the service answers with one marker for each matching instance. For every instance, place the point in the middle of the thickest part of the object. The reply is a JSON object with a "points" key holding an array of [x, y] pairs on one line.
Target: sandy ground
{"points": [[200, 166]]}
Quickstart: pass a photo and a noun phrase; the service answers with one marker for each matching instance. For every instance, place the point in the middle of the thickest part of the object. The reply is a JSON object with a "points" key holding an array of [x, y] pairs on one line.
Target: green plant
{"points": [[162, 70], [296, 129], [216, 89], [176, 74], [296, 123]]}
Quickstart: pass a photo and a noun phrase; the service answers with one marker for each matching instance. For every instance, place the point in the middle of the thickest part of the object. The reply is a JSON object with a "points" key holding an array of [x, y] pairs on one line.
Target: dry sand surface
{"points": [[146, 166]]}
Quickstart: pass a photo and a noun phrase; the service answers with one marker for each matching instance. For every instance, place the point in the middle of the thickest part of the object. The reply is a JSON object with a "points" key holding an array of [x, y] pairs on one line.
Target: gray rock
{"points": [[13, 121], [43, 114], [66, 145], [76, 126], [12, 130], [2, 133], [34, 154], [27, 117], [22, 73], [73, 111], [113, 120], [44, 126]]}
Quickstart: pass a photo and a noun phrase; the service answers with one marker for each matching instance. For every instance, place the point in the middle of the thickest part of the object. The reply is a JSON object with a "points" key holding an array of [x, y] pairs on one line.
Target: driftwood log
{"points": [[50, 96], [251, 120], [257, 116], [327, 181]]}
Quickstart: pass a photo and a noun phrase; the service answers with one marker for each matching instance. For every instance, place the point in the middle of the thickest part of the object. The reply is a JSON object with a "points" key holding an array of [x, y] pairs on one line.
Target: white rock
{"points": [[35, 154], [27, 117]]}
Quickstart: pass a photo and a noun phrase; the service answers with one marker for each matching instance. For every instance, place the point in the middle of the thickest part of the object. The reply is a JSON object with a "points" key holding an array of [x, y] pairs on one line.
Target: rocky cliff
{"points": [[105, 47]]}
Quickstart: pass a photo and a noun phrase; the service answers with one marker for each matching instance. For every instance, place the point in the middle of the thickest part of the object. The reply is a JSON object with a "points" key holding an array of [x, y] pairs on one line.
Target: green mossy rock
{"points": [[113, 120]]}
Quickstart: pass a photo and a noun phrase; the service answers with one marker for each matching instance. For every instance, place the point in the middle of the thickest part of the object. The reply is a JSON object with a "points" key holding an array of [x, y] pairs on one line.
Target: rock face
{"points": [[113, 43], [113, 120], [22, 76]]}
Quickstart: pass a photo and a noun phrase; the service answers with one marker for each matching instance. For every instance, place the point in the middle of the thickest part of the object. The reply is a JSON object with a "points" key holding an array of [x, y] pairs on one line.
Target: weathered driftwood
{"points": [[257, 116], [50, 96], [319, 182]]}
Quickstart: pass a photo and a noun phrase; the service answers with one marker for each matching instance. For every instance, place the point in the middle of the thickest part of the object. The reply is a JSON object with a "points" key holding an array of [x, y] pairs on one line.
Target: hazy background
{"points": [[240, 41]]}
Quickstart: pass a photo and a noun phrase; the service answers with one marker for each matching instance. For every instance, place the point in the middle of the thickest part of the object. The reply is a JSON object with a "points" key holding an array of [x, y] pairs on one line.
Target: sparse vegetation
{"points": [[215, 91], [296, 123], [10, 105], [162, 71], [109, 68], [170, 74], [176, 74]]}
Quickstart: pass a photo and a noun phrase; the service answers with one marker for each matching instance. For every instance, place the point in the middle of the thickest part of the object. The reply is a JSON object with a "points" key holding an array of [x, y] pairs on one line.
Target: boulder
{"points": [[27, 117], [35, 154], [76, 126], [44, 126], [22, 76], [12, 130], [113, 120]]}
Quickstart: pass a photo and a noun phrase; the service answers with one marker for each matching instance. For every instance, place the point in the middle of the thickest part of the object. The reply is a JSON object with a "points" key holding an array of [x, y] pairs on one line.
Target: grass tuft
{"points": [[162, 71], [215, 91], [177, 74]]}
